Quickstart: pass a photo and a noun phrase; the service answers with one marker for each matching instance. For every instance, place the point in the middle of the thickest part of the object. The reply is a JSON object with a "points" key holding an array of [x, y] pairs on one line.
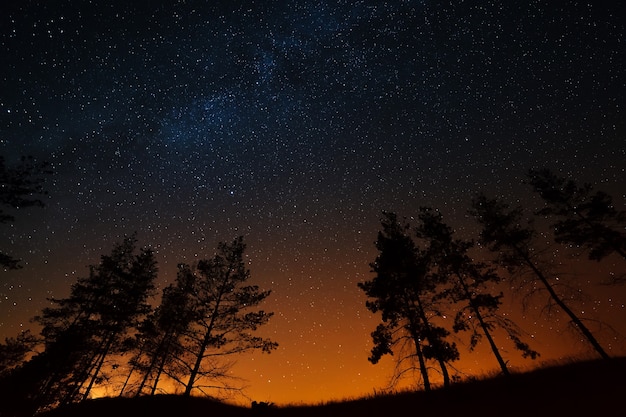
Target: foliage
{"points": [[81, 331], [585, 219], [14, 351], [205, 316], [223, 323], [422, 273], [20, 187], [504, 233], [404, 293], [468, 280], [161, 334]]}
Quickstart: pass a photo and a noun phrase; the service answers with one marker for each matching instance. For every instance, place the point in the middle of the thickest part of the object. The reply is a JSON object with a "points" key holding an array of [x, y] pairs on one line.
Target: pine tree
{"points": [[504, 234], [467, 281], [404, 293], [81, 331], [14, 351], [162, 333], [21, 186], [585, 219], [223, 322]]}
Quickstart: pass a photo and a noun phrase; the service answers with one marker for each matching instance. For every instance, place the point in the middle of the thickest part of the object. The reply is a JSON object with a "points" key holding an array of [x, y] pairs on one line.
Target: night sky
{"points": [[295, 124]]}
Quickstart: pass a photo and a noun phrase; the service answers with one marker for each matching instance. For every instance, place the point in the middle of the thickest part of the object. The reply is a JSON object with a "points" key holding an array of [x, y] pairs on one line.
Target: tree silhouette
{"points": [[504, 234], [20, 187], [404, 293], [13, 351], [81, 331], [586, 218], [223, 323], [162, 333], [467, 280]]}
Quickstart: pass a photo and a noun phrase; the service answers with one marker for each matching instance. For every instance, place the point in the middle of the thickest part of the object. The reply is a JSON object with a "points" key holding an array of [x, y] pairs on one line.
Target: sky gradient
{"points": [[295, 124]]}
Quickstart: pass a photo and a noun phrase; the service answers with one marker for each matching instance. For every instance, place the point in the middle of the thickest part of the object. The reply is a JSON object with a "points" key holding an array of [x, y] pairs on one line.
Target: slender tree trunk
{"points": [[200, 356], [83, 374], [442, 364], [205, 342], [444, 372], [483, 325], [584, 330], [47, 389], [95, 375], [103, 356], [420, 358], [165, 349], [144, 380], [153, 361], [130, 374], [159, 373], [80, 379], [422, 363], [133, 369], [492, 344], [78, 382]]}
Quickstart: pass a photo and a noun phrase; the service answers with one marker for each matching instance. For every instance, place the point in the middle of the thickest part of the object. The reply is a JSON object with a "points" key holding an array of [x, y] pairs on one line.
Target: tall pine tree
{"points": [[504, 233], [468, 285], [405, 294], [81, 331], [224, 320], [162, 334]]}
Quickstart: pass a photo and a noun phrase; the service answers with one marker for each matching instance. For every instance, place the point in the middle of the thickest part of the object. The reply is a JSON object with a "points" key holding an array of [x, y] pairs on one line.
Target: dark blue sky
{"points": [[293, 123]]}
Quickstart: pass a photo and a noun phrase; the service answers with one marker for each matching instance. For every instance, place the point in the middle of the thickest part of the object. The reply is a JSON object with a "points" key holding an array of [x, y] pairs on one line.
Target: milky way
{"points": [[294, 124]]}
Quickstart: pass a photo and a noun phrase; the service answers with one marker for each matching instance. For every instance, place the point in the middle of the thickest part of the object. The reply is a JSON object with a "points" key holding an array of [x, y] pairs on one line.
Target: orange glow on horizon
{"points": [[325, 342], [323, 328]]}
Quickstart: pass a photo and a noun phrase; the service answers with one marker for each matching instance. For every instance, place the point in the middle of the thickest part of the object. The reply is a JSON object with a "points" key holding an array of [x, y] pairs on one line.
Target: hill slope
{"points": [[578, 389]]}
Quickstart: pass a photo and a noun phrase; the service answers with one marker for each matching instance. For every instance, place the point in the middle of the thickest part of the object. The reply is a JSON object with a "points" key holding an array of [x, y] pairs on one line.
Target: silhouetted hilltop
{"points": [[152, 406], [578, 389]]}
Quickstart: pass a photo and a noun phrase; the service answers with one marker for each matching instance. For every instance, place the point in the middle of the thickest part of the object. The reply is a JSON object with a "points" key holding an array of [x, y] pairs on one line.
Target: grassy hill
{"points": [[590, 388]]}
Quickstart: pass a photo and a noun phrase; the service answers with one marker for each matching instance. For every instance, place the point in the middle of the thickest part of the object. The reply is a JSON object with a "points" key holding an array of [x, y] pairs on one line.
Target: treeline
{"points": [[424, 273], [107, 333], [106, 329]]}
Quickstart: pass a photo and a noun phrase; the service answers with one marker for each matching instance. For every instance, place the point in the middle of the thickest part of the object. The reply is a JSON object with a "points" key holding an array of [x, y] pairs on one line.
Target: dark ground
{"points": [[593, 388]]}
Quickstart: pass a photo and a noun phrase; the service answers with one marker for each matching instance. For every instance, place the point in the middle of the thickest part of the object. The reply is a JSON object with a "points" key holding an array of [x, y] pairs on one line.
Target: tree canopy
{"points": [[21, 186]]}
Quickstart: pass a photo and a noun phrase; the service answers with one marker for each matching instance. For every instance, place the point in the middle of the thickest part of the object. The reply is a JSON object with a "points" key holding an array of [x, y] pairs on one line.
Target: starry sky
{"points": [[295, 124]]}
